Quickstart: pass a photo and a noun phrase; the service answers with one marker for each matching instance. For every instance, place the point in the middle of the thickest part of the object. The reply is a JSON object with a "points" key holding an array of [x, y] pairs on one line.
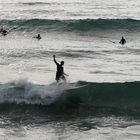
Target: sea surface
{"points": [[101, 98]]}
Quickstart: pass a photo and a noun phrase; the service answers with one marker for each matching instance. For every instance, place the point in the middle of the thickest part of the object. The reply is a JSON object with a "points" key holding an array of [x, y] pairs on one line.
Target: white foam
{"points": [[23, 91]]}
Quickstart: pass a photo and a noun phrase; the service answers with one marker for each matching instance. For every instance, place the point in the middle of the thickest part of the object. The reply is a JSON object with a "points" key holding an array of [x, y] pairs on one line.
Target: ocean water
{"points": [[100, 100]]}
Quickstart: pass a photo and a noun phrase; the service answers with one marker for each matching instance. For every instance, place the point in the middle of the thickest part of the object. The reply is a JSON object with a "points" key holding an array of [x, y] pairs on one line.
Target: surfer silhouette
{"points": [[3, 32], [60, 71], [122, 41], [38, 37]]}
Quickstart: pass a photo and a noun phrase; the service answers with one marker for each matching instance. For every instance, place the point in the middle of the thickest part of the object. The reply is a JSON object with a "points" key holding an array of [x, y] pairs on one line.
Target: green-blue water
{"points": [[100, 100]]}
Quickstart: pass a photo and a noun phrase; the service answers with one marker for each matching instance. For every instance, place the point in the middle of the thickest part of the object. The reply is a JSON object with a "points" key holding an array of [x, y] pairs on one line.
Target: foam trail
{"points": [[23, 91]]}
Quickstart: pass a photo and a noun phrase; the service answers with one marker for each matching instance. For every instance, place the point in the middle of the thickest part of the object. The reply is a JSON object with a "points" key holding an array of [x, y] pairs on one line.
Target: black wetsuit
{"points": [[60, 72], [123, 41], [3, 32], [38, 37]]}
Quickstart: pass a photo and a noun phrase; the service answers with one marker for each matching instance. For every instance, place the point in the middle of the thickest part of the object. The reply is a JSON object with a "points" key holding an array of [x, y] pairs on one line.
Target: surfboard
{"points": [[76, 87], [66, 86]]}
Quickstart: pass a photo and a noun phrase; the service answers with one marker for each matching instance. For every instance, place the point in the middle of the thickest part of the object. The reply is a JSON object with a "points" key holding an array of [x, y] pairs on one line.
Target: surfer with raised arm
{"points": [[60, 70], [122, 41]]}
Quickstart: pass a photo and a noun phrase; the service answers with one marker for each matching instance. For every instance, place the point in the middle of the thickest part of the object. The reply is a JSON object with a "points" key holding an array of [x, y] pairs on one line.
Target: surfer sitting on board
{"points": [[3, 32], [38, 37], [122, 41], [60, 71]]}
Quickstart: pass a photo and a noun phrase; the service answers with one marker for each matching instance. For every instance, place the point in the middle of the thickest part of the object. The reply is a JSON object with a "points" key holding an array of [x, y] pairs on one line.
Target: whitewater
{"points": [[100, 100]]}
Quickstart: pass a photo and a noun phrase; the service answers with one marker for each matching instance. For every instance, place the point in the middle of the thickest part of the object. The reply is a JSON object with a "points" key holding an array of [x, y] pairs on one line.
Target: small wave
{"points": [[93, 94], [34, 3], [73, 25], [84, 98], [119, 95]]}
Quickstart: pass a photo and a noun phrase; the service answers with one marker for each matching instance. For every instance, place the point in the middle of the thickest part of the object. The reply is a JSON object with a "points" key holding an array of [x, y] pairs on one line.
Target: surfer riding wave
{"points": [[60, 75]]}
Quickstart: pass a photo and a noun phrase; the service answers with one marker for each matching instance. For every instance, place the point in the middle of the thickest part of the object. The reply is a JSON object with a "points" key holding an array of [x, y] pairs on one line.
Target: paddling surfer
{"points": [[38, 37], [60, 70], [3, 32], [122, 41]]}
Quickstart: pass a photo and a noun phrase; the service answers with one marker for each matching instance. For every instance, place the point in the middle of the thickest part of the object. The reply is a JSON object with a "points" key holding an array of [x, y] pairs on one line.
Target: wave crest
{"points": [[69, 95], [72, 25]]}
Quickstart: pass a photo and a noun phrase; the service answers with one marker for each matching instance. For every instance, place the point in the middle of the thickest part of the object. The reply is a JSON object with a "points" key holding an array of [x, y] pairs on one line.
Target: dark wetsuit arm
{"points": [[55, 61], [65, 74], [120, 41]]}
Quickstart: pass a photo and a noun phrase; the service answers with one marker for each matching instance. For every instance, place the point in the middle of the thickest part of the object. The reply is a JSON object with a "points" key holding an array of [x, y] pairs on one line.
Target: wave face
{"points": [[72, 25], [118, 95], [72, 95]]}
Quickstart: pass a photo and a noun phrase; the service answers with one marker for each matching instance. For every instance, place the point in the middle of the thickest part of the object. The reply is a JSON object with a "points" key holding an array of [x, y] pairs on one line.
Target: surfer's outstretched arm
{"points": [[55, 60], [65, 74]]}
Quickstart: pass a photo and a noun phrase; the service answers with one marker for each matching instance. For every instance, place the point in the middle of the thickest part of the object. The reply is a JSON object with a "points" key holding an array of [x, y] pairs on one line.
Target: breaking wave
{"points": [[72, 25], [80, 94], [84, 98]]}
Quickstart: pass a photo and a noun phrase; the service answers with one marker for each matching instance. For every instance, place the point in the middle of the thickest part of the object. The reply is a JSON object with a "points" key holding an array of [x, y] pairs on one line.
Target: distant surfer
{"points": [[122, 41], [60, 71], [38, 37], [3, 32]]}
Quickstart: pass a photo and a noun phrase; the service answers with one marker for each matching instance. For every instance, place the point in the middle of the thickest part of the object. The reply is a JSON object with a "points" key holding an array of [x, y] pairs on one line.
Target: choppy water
{"points": [[86, 35]]}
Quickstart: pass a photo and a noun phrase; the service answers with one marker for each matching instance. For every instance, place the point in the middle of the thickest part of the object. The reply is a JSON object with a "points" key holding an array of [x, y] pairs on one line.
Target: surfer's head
{"points": [[62, 63]]}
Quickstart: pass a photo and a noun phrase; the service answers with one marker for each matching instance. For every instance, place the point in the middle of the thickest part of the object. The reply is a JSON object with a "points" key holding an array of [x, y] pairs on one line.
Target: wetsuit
{"points": [[60, 72], [123, 41]]}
